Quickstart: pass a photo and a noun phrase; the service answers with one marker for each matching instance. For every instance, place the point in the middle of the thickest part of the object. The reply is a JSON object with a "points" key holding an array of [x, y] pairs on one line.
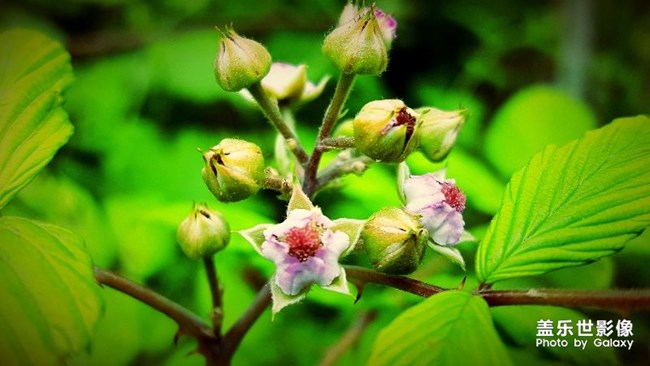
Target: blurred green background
{"points": [[144, 99]]}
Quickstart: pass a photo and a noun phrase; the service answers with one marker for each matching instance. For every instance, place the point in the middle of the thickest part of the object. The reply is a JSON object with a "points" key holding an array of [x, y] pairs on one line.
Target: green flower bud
{"points": [[240, 61], [234, 170], [438, 131], [357, 45], [386, 130], [394, 240], [203, 233]]}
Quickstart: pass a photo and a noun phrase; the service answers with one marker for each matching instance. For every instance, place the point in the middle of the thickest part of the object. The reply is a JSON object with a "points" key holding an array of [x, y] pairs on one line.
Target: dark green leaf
{"points": [[451, 328], [50, 300], [571, 205], [35, 70]]}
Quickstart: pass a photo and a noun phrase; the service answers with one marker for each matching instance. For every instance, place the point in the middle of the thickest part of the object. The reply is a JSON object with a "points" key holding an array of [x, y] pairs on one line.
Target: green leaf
{"points": [[50, 300], [571, 205], [530, 120], [451, 328], [519, 325], [33, 126]]}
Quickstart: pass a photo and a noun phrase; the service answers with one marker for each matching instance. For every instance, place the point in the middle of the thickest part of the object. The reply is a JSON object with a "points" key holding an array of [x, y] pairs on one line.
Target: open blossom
{"points": [[305, 250], [440, 203]]}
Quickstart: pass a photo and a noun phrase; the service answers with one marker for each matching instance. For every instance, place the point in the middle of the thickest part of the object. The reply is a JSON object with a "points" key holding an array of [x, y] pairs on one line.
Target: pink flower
{"points": [[305, 250], [440, 204]]}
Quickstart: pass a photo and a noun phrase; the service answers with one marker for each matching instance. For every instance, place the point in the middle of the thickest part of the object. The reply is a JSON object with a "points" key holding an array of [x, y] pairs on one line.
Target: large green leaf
{"points": [[451, 328], [34, 70], [572, 205], [50, 300]]}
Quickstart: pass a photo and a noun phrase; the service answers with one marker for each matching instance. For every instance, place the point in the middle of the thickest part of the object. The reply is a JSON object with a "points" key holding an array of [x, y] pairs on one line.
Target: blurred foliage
{"points": [[145, 99]]}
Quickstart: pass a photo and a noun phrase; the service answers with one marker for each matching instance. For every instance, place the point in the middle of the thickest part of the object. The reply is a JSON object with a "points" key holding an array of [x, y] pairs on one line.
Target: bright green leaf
{"points": [[33, 126], [451, 328], [530, 120], [50, 300], [572, 205]]}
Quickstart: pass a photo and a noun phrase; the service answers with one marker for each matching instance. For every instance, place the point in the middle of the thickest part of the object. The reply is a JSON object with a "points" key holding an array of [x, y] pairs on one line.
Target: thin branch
{"points": [[344, 164], [188, 322], [603, 299], [332, 114], [365, 275], [236, 333], [336, 143], [272, 113], [215, 290], [615, 299], [349, 339]]}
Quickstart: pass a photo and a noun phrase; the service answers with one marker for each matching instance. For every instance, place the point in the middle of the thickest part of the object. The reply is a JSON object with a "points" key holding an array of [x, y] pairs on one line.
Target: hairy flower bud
{"points": [[240, 61], [203, 233], [386, 130], [358, 45], [438, 131], [234, 170], [395, 241]]}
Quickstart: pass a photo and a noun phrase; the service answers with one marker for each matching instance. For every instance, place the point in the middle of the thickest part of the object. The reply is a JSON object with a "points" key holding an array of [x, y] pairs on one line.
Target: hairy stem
{"points": [[272, 112], [188, 322], [332, 114], [237, 332], [344, 164], [276, 183], [215, 290], [604, 299], [365, 275], [336, 143]]}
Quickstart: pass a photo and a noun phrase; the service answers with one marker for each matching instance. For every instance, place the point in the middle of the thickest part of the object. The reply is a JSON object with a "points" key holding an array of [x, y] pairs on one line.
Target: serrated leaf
{"points": [[33, 126], [50, 300], [450, 328], [571, 205]]}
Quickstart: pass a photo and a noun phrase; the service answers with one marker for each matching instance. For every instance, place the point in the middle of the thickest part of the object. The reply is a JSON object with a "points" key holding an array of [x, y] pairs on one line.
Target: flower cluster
{"points": [[307, 246]]}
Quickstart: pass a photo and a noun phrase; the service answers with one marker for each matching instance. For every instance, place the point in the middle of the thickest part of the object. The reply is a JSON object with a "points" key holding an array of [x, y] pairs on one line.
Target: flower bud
{"points": [[357, 45], [240, 61], [394, 241], [386, 130], [438, 131], [203, 233], [234, 170], [288, 84]]}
